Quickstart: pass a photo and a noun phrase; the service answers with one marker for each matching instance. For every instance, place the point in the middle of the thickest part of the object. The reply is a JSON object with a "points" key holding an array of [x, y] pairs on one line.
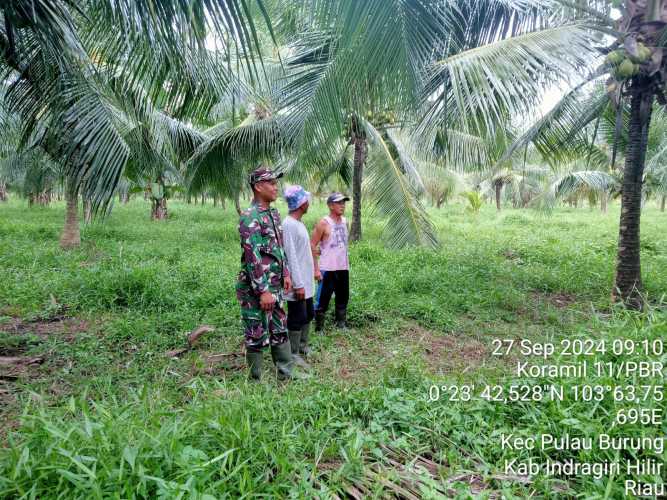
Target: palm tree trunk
{"points": [[44, 198], [662, 203], [499, 187], [628, 282], [3, 191], [603, 202], [357, 176], [70, 237], [159, 205]]}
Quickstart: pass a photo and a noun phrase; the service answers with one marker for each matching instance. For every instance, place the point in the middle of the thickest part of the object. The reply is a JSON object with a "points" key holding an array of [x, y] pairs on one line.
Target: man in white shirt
{"points": [[300, 311]]}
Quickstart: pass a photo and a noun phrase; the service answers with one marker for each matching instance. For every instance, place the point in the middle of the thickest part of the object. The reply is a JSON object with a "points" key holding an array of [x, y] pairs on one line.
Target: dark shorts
{"points": [[299, 313]]}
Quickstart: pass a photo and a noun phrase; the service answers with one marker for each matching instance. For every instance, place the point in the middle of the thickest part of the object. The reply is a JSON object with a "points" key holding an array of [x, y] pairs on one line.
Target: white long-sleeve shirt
{"points": [[299, 256]]}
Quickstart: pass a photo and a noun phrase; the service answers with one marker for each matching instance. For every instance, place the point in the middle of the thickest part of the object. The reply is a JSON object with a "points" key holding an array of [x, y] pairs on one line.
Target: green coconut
{"points": [[626, 69], [644, 53], [614, 58]]}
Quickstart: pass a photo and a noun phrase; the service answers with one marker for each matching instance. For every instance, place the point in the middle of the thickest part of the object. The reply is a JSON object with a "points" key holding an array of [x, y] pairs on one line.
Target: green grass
{"points": [[108, 414]]}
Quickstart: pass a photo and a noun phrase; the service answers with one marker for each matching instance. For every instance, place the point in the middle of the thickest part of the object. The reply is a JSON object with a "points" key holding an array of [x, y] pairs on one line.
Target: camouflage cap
{"points": [[263, 174]]}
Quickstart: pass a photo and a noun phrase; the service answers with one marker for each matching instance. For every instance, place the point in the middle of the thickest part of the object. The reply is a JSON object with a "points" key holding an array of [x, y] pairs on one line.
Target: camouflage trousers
{"points": [[261, 328]]}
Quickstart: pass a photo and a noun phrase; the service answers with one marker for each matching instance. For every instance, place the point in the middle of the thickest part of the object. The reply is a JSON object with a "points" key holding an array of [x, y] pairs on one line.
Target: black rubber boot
{"points": [[254, 361], [319, 321], [304, 347], [341, 318], [295, 343]]}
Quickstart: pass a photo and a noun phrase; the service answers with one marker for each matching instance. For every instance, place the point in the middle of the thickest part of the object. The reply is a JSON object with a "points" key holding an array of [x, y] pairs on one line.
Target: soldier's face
{"points": [[337, 209], [267, 190]]}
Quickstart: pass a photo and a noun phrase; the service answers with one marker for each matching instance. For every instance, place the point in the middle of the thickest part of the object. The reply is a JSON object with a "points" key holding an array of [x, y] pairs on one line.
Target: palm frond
{"points": [[484, 85], [395, 196], [561, 134], [582, 180], [217, 163]]}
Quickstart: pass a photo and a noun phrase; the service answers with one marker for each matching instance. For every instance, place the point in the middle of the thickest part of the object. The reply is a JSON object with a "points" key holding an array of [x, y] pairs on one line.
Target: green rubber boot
{"points": [[282, 358], [254, 361], [295, 343], [304, 347]]}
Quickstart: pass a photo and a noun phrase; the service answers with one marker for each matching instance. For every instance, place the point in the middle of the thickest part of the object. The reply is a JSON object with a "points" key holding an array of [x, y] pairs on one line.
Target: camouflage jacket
{"points": [[263, 265]]}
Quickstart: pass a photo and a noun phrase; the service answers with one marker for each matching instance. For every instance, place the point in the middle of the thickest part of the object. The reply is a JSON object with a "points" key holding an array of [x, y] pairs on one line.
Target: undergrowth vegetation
{"points": [[106, 413]]}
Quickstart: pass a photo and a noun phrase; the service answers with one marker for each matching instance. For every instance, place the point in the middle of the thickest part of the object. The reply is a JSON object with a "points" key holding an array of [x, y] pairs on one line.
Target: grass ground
{"points": [[97, 409]]}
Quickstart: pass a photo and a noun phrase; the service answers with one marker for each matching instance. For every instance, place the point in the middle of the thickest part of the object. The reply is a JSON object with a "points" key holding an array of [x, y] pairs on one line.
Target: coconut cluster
{"points": [[626, 65], [381, 117], [378, 119]]}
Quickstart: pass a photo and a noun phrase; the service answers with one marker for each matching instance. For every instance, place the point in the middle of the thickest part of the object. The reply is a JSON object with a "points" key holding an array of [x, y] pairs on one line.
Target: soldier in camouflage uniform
{"points": [[264, 278]]}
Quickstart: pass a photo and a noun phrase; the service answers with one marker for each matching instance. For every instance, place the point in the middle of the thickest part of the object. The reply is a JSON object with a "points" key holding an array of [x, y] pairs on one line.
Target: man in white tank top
{"points": [[332, 269]]}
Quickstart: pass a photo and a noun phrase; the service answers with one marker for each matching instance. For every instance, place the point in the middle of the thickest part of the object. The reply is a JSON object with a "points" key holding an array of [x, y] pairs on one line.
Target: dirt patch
{"points": [[560, 300], [18, 337], [66, 327], [7, 396], [361, 357], [232, 361], [329, 465], [12, 367], [446, 352], [349, 364]]}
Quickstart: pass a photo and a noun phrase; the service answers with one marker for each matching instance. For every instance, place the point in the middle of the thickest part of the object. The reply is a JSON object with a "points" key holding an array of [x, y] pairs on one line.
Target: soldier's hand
{"points": [[300, 293], [267, 301], [288, 284]]}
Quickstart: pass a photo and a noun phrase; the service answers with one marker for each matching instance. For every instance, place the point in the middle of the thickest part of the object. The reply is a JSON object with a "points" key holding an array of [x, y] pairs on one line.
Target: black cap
{"points": [[337, 198]]}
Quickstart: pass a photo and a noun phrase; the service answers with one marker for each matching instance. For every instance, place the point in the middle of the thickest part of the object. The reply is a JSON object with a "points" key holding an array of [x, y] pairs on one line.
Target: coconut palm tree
{"points": [[574, 183], [60, 55], [30, 172], [359, 60], [634, 70]]}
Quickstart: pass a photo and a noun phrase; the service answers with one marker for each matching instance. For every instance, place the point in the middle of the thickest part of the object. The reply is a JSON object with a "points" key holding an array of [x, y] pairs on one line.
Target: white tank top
{"points": [[333, 250]]}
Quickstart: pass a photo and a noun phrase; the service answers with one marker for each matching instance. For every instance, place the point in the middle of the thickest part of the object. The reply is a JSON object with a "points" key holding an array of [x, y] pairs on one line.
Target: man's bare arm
{"points": [[315, 240]]}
